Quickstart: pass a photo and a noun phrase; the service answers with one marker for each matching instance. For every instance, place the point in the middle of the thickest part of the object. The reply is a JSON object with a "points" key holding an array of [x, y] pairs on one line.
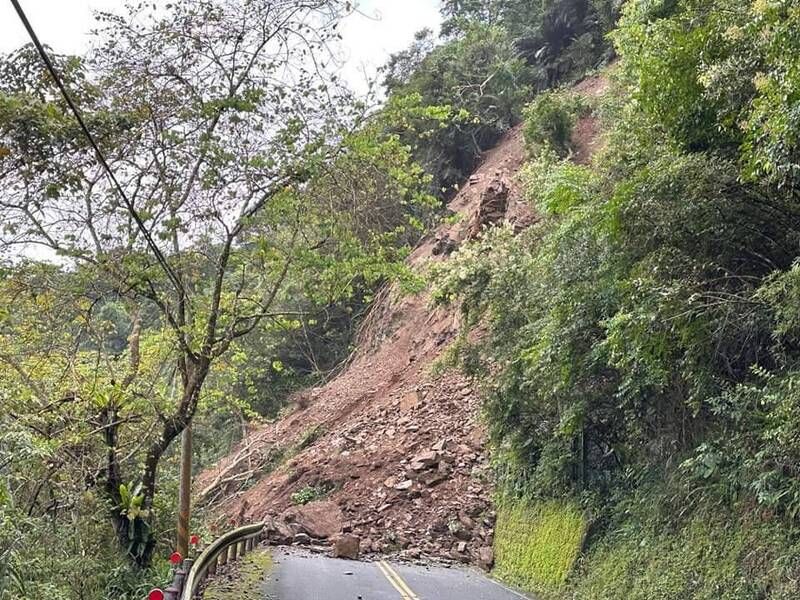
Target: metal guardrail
{"points": [[189, 578], [223, 550]]}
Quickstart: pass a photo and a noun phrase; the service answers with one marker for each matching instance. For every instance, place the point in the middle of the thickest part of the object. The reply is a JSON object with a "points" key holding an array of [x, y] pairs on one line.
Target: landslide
{"points": [[391, 450]]}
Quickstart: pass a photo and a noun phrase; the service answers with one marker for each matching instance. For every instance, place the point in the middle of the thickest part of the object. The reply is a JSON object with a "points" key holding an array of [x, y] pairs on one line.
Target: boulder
{"points": [[433, 478], [321, 519], [278, 532], [492, 207], [410, 401], [486, 558], [466, 521], [444, 246], [441, 445], [425, 460], [346, 546]]}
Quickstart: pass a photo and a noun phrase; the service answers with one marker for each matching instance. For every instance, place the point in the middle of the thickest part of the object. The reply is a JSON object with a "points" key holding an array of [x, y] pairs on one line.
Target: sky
{"points": [[370, 35], [379, 28]]}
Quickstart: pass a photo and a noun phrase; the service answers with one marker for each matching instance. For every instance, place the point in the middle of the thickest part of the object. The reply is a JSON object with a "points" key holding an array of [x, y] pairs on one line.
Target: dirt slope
{"points": [[400, 449]]}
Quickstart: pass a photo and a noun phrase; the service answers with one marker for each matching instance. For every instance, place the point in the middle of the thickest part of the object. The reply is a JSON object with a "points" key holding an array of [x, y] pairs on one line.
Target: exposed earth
{"points": [[389, 457]]}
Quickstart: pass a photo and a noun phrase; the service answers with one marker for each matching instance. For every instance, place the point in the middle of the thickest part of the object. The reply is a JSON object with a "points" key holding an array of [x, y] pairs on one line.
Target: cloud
{"points": [[379, 28], [370, 35]]}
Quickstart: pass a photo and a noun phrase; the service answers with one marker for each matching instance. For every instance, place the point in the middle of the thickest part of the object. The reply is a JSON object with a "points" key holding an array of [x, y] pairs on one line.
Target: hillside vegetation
{"points": [[642, 351], [636, 341]]}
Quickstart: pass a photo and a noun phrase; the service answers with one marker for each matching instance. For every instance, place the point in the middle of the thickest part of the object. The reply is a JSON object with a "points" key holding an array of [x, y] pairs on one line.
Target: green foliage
{"points": [[557, 38], [549, 121], [712, 553], [721, 75], [277, 211], [68, 559], [138, 533], [538, 543], [648, 323], [493, 55], [479, 74], [647, 327], [557, 186], [310, 493]]}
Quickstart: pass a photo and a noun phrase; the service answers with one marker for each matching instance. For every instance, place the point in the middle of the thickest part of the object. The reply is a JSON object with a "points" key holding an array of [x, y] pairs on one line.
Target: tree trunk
{"points": [[173, 427]]}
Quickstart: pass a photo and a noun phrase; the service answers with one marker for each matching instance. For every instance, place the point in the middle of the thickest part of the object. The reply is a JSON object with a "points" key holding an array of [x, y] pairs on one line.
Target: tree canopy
{"points": [[639, 342], [257, 195]]}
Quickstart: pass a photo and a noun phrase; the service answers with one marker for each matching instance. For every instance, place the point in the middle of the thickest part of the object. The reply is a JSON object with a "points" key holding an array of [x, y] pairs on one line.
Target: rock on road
{"points": [[301, 576]]}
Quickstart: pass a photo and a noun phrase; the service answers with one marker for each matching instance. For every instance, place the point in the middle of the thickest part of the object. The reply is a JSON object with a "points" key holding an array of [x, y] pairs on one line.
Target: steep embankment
{"points": [[401, 449], [388, 450]]}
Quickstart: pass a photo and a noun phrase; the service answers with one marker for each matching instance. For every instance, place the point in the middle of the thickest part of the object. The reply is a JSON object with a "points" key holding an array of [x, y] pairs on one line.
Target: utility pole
{"points": [[185, 493]]}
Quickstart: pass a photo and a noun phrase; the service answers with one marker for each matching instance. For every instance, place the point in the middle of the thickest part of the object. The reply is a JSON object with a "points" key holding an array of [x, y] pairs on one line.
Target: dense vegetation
{"points": [[643, 349], [264, 204], [493, 56], [643, 353]]}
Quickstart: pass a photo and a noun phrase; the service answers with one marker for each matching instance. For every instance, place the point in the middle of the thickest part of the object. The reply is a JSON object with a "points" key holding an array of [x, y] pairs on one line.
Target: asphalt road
{"points": [[299, 576]]}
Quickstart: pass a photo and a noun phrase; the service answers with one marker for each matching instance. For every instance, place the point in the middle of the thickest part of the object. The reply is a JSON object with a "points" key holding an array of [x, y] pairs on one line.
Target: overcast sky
{"points": [[385, 27]]}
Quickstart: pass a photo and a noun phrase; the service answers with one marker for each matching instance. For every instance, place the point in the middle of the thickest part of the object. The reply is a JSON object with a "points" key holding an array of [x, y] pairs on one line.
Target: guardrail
{"points": [[190, 577], [223, 550]]}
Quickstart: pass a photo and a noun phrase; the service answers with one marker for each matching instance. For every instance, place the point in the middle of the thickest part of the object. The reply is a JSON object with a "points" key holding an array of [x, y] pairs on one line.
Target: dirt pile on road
{"points": [[388, 451], [391, 451]]}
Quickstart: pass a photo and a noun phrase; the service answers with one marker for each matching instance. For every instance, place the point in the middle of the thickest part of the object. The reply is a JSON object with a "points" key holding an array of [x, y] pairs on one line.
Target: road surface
{"points": [[300, 576]]}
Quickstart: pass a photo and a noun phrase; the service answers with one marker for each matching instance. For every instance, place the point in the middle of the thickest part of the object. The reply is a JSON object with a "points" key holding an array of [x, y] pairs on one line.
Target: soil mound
{"points": [[389, 452]]}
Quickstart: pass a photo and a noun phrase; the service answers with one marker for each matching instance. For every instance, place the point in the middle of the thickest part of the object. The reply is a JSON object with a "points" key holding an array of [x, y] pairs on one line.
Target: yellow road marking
{"points": [[397, 581], [391, 580]]}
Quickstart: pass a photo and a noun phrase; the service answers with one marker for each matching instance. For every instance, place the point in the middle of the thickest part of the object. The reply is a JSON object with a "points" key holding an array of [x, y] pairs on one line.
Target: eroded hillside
{"points": [[388, 450]]}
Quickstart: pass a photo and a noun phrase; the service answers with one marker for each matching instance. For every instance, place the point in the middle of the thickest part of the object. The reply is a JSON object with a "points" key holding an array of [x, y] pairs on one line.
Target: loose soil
{"points": [[394, 449]]}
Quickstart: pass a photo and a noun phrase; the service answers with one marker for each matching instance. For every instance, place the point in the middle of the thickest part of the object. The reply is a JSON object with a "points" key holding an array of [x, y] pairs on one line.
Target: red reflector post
{"points": [[155, 594]]}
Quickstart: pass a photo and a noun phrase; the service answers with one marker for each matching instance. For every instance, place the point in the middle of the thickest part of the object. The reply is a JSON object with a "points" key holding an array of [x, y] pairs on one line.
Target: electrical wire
{"points": [[100, 157]]}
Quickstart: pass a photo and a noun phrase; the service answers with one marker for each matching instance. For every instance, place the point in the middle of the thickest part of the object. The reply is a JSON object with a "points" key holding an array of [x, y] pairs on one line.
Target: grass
{"points": [[714, 555], [537, 543], [648, 545], [250, 572]]}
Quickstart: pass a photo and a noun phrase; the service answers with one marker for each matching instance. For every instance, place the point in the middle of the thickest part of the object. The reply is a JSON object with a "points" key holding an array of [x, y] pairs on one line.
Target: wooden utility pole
{"points": [[185, 493]]}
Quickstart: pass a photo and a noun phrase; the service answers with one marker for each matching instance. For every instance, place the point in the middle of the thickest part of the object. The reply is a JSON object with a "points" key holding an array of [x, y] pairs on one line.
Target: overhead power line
{"points": [[100, 157]]}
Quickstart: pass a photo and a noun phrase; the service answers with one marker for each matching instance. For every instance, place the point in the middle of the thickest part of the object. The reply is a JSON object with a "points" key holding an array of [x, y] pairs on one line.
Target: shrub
{"points": [[549, 121], [557, 186], [311, 493]]}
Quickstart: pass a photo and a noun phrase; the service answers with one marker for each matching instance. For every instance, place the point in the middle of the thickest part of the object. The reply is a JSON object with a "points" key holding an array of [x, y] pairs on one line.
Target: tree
{"points": [[227, 132], [480, 76], [558, 38]]}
